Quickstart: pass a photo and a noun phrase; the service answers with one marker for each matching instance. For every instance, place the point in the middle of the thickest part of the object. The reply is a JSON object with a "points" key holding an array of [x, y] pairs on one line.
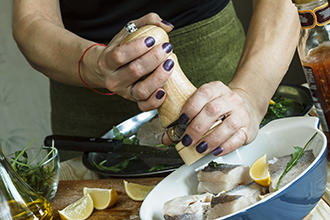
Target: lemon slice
{"points": [[136, 191], [78, 210], [259, 171], [102, 198]]}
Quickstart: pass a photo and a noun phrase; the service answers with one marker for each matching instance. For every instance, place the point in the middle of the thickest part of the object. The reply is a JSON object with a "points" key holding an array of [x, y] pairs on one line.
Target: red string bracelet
{"points": [[79, 62]]}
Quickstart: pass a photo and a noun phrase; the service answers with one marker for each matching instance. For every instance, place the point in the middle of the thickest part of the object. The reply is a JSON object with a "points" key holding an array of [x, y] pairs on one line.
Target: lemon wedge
{"points": [[102, 198], [136, 191], [259, 171], [271, 102], [78, 210]]}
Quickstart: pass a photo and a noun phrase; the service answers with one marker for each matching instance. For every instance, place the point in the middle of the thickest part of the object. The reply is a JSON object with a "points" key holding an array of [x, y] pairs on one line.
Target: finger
{"points": [[200, 125], [148, 62], [166, 140], [156, 99], [121, 79], [220, 135], [147, 86], [232, 143], [153, 19], [202, 96], [121, 55]]}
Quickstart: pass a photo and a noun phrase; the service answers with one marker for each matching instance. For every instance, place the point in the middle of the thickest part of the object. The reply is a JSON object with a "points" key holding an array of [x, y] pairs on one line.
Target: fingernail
{"points": [[183, 119], [167, 23], [149, 41], [217, 151], [167, 47], [168, 64], [201, 147], [186, 140], [160, 94]]}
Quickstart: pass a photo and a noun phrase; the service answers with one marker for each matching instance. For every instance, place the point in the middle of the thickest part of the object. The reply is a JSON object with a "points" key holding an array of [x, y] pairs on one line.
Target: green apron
{"points": [[207, 51]]}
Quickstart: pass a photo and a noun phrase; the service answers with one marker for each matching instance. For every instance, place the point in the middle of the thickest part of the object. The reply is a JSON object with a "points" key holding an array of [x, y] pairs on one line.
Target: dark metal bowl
{"points": [[293, 92]]}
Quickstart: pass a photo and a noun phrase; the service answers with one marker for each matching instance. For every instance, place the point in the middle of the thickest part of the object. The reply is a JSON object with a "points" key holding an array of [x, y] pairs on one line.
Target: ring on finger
{"points": [[132, 95], [130, 27]]}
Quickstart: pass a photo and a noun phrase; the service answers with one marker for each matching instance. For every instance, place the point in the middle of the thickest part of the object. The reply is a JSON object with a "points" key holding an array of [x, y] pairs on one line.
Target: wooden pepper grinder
{"points": [[178, 88]]}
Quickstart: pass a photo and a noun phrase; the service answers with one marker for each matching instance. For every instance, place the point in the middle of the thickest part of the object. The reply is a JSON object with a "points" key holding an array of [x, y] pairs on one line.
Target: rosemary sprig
{"points": [[115, 168], [299, 152], [40, 178]]}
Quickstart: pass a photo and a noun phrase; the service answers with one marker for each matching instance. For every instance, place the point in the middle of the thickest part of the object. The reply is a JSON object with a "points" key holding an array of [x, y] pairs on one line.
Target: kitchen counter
{"points": [[74, 177]]}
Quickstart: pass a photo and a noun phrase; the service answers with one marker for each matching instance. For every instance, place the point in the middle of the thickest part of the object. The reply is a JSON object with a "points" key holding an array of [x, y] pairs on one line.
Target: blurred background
{"points": [[24, 92]]}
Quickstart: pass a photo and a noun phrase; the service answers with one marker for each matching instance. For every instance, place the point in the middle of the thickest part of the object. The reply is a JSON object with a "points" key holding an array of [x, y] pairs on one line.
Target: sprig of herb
{"points": [[161, 167], [215, 164], [299, 152], [282, 107], [124, 164], [40, 178], [115, 168], [120, 136]]}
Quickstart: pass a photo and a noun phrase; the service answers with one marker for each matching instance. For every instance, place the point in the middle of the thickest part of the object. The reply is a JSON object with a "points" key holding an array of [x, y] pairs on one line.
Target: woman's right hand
{"points": [[124, 69]]}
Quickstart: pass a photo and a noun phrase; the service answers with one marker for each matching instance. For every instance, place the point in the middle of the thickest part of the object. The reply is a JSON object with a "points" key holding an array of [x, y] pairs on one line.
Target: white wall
{"points": [[24, 93]]}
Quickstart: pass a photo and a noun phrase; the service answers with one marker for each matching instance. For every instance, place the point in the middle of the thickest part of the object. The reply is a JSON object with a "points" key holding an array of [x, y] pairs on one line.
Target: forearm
{"points": [[270, 45], [46, 44]]}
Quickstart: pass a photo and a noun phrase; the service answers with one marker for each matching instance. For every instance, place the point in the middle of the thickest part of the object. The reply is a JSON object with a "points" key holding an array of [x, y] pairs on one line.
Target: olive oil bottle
{"points": [[18, 201]]}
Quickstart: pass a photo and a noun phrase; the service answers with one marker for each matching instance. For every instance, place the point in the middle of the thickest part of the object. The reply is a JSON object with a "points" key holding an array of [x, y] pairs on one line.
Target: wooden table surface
{"points": [[74, 177], [125, 208]]}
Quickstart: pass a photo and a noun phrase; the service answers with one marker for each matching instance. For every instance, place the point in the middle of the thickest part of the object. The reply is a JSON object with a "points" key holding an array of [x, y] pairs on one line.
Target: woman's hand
{"points": [[212, 102], [137, 70]]}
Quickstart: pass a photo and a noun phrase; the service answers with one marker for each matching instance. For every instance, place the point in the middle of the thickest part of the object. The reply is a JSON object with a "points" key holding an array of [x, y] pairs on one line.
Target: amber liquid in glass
{"points": [[39, 209], [318, 61]]}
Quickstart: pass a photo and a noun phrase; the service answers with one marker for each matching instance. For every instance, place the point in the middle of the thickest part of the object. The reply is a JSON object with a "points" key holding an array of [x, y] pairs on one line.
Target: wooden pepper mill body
{"points": [[178, 90]]}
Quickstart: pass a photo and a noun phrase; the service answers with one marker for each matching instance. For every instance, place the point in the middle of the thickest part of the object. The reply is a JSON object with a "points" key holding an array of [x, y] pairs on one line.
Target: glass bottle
{"points": [[18, 201], [314, 53]]}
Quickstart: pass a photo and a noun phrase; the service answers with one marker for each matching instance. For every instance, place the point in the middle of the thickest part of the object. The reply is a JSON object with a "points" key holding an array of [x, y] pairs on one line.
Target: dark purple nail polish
{"points": [[160, 94], [201, 147], [186, 140], [167, 47], [149, 41], [217, 151], [168, 65], [183, 119], [167, 23]]}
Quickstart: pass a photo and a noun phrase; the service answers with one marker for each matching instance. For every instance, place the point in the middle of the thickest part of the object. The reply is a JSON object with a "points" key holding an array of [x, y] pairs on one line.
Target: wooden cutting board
{"points": [[125, 208]]}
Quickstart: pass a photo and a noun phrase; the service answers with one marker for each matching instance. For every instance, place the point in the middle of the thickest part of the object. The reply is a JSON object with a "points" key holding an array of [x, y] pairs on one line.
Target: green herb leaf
{"points": [[39, 178], [115, 168], [282, 107], [117, 134], [124, 164], [215, 164], [299, 152], [161, 167]]}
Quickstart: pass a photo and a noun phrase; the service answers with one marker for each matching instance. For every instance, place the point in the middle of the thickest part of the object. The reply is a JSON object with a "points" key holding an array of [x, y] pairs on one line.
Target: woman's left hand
{"points": [[212, 102]]}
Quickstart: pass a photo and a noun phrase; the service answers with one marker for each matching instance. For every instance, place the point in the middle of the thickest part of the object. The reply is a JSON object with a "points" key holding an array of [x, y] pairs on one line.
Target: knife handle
{"points": [[83, 144]]}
